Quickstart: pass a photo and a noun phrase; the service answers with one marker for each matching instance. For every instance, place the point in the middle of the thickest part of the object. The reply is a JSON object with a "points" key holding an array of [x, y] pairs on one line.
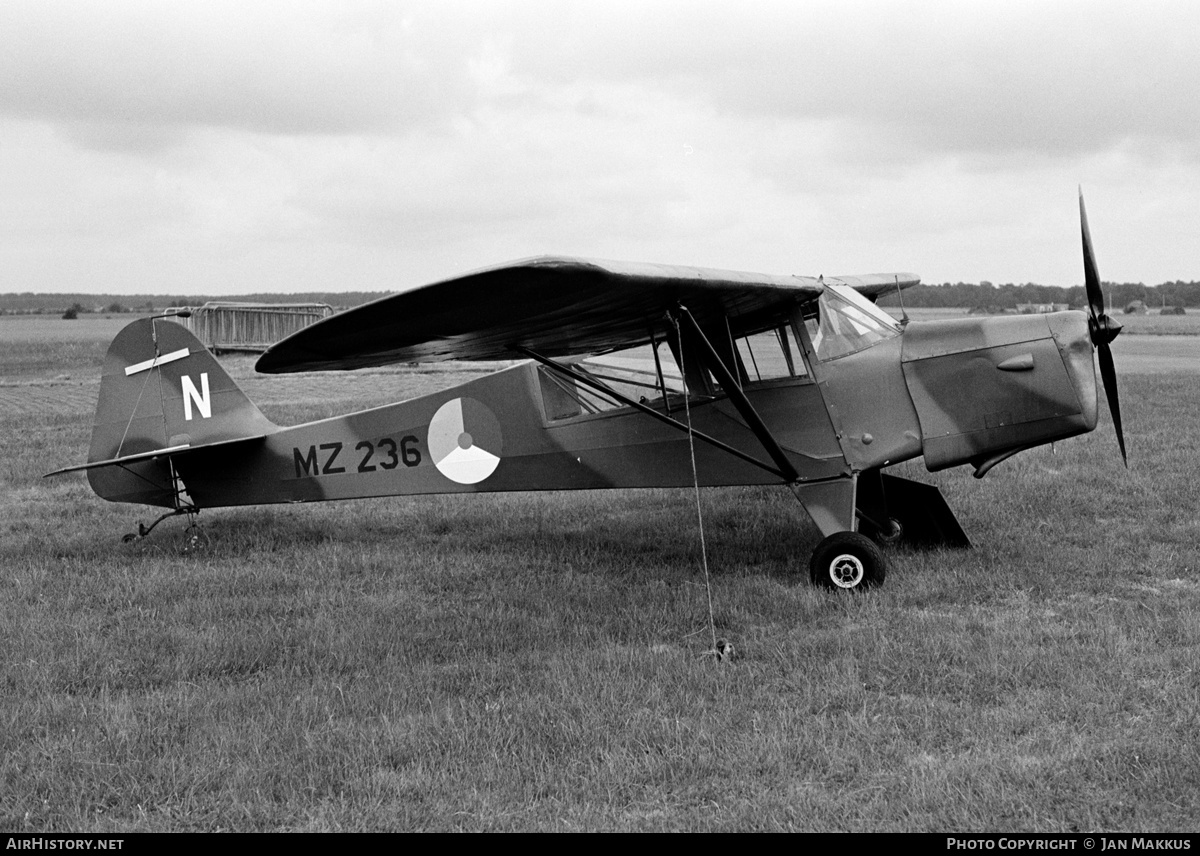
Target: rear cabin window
{"points": [[770, 355], [763, 356], [632, 373]]}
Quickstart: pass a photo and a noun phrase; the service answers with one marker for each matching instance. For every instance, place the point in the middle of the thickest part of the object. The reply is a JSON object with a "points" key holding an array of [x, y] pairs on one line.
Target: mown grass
{"points": [[538, 661]]}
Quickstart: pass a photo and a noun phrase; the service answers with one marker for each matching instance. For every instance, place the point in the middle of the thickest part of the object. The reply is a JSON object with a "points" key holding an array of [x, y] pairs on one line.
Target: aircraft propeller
{"points": [[1101, 328]]}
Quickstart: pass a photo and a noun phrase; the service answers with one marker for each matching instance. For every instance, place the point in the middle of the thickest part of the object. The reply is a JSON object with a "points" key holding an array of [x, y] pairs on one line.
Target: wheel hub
{"points": [[846, 570]]}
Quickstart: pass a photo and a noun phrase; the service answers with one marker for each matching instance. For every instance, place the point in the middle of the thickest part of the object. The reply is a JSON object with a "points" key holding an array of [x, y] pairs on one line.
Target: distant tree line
{"points": [[79, 304], [962, 295], [985, 295]]}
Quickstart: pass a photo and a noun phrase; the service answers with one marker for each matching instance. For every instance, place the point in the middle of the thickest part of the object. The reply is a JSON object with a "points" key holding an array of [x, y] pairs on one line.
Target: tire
{"points": [[847, 561]]}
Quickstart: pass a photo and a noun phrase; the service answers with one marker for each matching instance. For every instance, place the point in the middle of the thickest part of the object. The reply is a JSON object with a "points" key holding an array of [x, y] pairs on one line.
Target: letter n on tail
{"points": [[199, 397]]}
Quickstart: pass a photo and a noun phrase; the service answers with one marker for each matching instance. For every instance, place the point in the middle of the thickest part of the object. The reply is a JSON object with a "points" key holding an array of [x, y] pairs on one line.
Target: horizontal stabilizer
{"points": [[153, 454]]}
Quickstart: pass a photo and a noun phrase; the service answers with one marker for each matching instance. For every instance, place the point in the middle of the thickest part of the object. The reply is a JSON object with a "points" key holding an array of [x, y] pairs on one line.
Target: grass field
{"points": [[537, 661]]}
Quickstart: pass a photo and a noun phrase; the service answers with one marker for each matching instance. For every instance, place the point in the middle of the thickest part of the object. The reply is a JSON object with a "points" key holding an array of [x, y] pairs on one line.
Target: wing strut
{"points": [[734, 390], [592, 383]]}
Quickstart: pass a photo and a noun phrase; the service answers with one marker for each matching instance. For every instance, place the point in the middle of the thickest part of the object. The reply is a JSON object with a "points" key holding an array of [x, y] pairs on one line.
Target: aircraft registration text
{"points": [[326, 459]]}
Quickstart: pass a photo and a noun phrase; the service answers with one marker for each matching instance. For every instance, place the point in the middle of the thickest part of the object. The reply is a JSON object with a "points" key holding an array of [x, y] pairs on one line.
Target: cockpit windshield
{"points": [[847, 322]]}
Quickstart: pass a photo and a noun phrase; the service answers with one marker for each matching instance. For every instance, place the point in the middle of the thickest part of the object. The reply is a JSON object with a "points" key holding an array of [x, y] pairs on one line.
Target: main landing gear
{"points": [[871, 510]]}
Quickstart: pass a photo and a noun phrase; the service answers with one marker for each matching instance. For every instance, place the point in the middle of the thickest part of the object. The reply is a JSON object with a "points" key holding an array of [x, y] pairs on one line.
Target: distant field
{"points": [[1149, 324], [1148, 344], [537, 661], [1170, 325], [51, 328]]}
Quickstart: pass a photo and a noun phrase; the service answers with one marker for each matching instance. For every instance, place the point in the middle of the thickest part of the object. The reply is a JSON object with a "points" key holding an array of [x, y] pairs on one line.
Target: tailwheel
{"points": [[193, 530], [847, 560]]}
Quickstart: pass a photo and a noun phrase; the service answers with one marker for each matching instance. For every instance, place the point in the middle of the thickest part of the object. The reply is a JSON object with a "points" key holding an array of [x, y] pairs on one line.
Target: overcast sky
{"points": [[229, 147]]}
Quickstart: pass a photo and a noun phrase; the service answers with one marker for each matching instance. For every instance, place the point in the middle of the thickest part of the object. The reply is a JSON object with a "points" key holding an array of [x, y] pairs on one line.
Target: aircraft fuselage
{"points": [[955, 391]]}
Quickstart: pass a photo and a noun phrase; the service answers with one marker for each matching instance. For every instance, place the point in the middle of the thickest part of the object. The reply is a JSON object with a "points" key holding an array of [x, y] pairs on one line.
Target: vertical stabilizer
{"points": [[162, 390]]}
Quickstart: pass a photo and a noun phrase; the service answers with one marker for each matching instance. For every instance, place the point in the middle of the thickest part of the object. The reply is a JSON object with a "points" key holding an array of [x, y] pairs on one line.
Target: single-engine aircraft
{"points": [[787, 380]]}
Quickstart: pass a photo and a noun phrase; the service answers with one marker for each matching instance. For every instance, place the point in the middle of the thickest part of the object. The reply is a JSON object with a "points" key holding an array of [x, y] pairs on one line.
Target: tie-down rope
{"points": [[718, 651]]}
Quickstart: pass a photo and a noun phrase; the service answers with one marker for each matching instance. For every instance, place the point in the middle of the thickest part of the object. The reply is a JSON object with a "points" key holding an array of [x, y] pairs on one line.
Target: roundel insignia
{"points": [[465, 440]]}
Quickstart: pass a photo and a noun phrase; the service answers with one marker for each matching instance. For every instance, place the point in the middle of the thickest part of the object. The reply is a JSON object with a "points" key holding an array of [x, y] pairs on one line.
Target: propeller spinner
{"points": [[1101, 328]]}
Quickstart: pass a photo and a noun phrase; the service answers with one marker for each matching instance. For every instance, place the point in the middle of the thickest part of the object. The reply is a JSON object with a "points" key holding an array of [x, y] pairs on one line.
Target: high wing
{"points": [[553, 305]]}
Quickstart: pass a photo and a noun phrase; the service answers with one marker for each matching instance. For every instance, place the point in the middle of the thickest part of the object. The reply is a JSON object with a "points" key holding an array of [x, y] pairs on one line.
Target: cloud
{"points": [[276, 68], [1047, 79], [282, 145], [904, 80]]}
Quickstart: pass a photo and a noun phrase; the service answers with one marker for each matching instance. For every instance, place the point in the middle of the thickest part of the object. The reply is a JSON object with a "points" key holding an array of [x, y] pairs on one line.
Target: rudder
{"points": [[162, 390]]}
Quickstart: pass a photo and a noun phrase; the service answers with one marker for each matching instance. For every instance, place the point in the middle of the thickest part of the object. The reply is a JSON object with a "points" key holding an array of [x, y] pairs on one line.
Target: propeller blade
{"points": [[1101, 328], [1108, 374], [1091, 274]]}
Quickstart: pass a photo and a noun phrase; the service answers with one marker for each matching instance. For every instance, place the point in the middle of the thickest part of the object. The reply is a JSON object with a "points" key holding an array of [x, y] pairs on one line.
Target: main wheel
{"points": [[847, 560]]}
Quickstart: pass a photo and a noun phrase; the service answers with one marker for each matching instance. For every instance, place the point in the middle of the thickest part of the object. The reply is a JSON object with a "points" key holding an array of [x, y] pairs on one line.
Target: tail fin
{"points": [[162, 392]]}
